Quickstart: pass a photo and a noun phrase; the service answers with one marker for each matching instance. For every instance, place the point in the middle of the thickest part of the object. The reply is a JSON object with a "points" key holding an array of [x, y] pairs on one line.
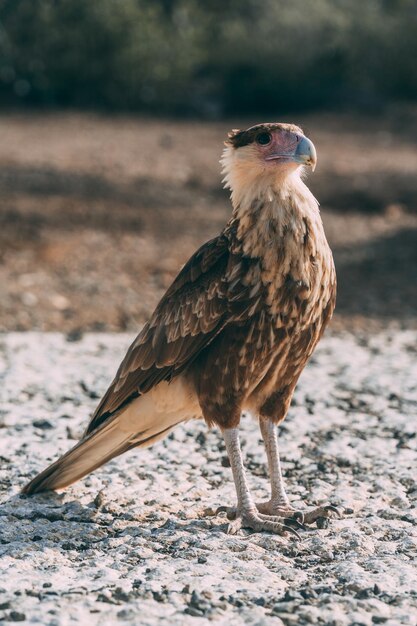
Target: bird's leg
{"points": [[279, 503], [247, 515]]}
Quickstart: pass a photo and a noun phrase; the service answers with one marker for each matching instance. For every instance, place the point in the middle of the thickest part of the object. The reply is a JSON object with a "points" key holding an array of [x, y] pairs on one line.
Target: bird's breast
{"points": [[295, 291], [290, 269]]}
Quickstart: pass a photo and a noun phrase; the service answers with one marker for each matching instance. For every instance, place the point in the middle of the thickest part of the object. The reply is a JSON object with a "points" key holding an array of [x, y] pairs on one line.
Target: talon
{"points": [[325, 511], [291, 531], [230, 512], [291, 521], [299, 516], [221, 509], [333, 509]]}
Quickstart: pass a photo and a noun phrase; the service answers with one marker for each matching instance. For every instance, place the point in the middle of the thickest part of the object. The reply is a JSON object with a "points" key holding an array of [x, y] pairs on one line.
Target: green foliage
{"points": [[182, 56]]}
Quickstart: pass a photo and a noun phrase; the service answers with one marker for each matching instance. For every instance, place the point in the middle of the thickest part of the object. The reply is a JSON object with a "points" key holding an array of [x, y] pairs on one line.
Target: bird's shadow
{"points": [[47, 519], [51, 520]]}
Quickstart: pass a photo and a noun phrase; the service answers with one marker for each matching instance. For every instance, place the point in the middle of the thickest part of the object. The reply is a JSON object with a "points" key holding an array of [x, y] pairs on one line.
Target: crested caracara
{"points": [[232, 333]]}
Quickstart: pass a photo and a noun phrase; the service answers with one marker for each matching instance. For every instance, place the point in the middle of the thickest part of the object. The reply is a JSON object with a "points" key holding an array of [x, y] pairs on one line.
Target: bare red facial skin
{"points": [[282, 145]]}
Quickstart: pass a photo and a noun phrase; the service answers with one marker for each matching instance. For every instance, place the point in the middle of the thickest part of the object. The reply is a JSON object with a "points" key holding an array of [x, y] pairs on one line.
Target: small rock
{"points": [[121, 595], [16, 616], [99, 500], [60, 302], [323, 522], [292, 595], [90, 392], [43, 424], [74, 335], [159, 597], [29, 299], [287, 618], [126, 614], [284, 607], [192, 610], [68, 545]]}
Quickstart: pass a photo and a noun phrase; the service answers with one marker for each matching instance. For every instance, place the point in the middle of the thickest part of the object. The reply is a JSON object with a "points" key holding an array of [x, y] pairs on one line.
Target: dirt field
{"points": [[97, 215]]}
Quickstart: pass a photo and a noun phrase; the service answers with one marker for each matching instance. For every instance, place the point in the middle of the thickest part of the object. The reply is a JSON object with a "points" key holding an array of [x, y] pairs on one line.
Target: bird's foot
{"points": [[280, 522], [281, 509], [282, 516], [259, 522], [321, 515]]}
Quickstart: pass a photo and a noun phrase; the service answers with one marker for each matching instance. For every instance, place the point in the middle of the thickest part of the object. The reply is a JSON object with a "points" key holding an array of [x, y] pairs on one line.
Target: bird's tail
{"points": [[99, 447]]}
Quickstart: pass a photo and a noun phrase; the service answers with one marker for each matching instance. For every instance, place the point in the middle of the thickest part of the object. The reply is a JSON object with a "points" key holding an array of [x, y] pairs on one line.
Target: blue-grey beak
{"points": [[306, 153]]}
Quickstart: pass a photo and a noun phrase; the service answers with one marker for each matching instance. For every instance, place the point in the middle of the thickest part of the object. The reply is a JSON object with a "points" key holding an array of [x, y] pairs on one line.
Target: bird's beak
{"points": [[306, 153]]}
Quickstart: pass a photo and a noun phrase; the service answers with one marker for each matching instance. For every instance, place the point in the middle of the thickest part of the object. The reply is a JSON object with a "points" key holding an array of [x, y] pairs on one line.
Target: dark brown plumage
{"points": [[237, 325]]}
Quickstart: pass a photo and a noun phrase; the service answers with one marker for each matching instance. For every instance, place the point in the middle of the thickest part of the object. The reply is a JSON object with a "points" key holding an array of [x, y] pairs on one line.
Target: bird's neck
{"points": [[276, 213], [281, 226]]}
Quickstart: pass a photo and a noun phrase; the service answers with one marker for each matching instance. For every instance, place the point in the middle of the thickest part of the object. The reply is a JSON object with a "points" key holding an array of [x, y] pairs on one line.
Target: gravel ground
{"points": [[137, 542]]}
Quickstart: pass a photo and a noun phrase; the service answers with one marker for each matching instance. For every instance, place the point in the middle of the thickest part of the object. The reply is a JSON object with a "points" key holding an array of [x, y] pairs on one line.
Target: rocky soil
{"points": [[138, 542]]}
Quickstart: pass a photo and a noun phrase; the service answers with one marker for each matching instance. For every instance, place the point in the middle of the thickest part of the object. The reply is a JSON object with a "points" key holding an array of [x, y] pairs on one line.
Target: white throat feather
{"points": [[261, 195]]}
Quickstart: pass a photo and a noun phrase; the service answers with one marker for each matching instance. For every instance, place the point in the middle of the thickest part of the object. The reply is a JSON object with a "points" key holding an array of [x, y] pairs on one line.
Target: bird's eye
{"points": [[263, 139]]}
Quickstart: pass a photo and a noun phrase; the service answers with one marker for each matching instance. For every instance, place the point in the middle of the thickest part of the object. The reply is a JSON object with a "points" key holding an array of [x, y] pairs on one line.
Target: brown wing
{"points": [[194, 310]]}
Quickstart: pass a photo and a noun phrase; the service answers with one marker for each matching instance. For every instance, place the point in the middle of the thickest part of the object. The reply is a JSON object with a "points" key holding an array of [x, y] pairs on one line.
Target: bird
{"points": [[232, 333]]}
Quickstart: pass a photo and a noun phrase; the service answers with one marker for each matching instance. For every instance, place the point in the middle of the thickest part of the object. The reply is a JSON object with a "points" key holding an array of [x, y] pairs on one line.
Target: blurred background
{"points": [[112, 118]]}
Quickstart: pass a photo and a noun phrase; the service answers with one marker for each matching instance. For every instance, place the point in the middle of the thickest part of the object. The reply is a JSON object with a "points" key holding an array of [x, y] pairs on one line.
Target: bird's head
{"points": [[266, 155]]}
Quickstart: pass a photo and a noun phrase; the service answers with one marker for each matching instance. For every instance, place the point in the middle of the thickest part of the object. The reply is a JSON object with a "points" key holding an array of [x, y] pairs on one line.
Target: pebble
{"points": [[16, 616]]}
